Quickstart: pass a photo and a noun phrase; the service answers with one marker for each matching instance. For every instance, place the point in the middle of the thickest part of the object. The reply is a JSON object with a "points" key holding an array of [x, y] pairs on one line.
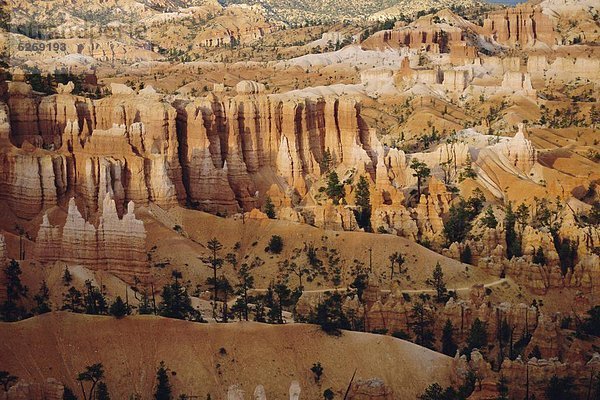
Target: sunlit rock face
{"points": [[117, 245]]}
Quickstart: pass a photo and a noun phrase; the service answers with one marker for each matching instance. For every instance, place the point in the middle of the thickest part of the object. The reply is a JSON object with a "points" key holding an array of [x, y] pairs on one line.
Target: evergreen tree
{"points": [[489, 219], [73, 301], [283, 293], [317, 370], [449, 347], [326, 162], [458, 223], [42, 300], [94, 374], [67, 278], [215, 263], [119, 309], [328, 394], [176, 302], [396, 258], [477, 335], [11, 310], [144, 306], [7, 380], [466, 256], [539, 257], [68, 394], [275, 245], [421, 172], [245, 283], [513, 243], [102, 392], [334, 189], [437, 282], [560, 388], [95, 302], [269, 208], [363, 200], [502, 387], [163, 387], [422, 326], [330, 315]]}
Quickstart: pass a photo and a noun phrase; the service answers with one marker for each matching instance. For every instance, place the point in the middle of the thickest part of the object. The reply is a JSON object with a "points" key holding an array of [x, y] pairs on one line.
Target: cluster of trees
{"points": [[460, 218]]}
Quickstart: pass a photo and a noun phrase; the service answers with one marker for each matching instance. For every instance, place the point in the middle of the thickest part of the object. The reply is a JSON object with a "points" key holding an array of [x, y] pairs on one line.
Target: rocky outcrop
{"points": [[519, 151], [431, 38], [116, 245], [31, 180], [523, 25], [48, 390], [518, 81], [370, 389]]}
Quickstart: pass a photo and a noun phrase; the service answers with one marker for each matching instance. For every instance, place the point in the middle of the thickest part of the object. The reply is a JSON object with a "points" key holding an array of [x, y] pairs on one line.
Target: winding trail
{"points": [[410, 291]]}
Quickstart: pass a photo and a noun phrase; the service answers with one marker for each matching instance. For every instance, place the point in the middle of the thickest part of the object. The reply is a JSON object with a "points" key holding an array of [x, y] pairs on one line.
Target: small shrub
{"points": [[275, 245]]}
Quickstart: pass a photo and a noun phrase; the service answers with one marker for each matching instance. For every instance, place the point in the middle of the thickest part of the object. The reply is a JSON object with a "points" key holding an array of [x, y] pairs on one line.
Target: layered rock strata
{"points": [[116, 245]]}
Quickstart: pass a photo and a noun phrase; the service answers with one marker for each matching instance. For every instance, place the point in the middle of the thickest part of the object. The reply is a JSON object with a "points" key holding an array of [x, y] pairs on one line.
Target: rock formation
{"points": [[116, 245], [523, 25], [370, 389], [49, 390]]}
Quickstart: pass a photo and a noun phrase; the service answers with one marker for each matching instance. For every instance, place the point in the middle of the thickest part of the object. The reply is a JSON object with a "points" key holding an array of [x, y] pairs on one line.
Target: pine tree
{"points": [[334, 189], [163, 387], [502, 387], [466, 256], [422, 171], [539, 257], [438, 283], [7, 380], [11, 310], [449, 347], [458, 223], [42, 300], [144, 306], [269, 208], [73, 301], [176, 302], [317, 370], [68, 394], [94, 374], [67, 278], [326, 162], [489, 219], [95, 302], [246, 282], [422, 326], [477, 335], [118, 308], [513, 244], [215, 263], [102, 392], [363, 200]]}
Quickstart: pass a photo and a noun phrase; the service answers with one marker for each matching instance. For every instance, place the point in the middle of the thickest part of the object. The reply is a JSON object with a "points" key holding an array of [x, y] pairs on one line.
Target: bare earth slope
{"points": [[59, 345]]}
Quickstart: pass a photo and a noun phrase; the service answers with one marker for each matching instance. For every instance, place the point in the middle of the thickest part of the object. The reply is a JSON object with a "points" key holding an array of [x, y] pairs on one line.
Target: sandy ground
{"points": [[208, 358], [182, 251]]}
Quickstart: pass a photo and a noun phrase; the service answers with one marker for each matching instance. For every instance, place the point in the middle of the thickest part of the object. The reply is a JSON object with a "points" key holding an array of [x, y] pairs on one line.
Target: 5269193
{"points": [[43, 46]]}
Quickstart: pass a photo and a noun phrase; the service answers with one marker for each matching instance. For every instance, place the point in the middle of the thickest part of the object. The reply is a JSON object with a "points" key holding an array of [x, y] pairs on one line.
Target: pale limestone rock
{"points": [[295, 390], [117, 245], [249, 87], [259, 393], [65, 89], [235, 392], [120, 89]]}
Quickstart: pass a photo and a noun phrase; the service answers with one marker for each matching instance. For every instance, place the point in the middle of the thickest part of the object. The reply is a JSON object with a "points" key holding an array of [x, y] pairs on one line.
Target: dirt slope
{"points": [[182, 253], [59, 345]]}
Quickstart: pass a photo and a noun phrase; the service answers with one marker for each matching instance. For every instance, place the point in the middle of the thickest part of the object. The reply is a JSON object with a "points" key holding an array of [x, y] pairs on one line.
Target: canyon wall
{"points": [[116, 245], [521, 25]]}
